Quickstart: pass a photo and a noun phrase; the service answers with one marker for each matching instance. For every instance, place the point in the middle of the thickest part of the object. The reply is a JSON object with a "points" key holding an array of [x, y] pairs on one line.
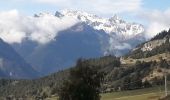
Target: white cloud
{"points": [[157, 21], [97, 6], [15, 27]]}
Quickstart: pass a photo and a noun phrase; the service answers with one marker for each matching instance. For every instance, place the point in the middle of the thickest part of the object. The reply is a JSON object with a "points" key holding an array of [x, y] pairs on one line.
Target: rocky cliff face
{"points": [[153, 44]]}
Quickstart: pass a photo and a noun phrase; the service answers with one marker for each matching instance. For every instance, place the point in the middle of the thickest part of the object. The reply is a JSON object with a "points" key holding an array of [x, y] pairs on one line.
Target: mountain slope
{"points": [[91, 37], [76, 42], [12, 65], [141, 73], [121, 33], [121, 28], [157, 45], [116, 76]]}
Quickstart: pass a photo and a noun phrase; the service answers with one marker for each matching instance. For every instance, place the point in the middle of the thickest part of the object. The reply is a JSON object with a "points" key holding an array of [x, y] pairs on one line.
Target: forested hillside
{"points": [[117, 77], [157, 45]]}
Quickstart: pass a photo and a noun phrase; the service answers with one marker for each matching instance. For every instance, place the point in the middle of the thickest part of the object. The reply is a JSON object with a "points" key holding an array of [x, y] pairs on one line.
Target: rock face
{"points": [[149, 46], [12, 65]]}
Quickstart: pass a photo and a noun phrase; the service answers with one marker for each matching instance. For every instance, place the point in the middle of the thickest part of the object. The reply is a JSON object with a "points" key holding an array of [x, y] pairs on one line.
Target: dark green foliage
{"points": [[37, 88], [161, 35], [115, 77], [49, 84], [83, 84], [131, 78], [164, 64], [146, 84], [106, 61]]}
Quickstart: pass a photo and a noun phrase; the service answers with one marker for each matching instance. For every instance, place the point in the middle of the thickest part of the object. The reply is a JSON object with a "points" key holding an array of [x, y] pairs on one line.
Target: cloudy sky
{"points": [[102, 7], [153, 14]]}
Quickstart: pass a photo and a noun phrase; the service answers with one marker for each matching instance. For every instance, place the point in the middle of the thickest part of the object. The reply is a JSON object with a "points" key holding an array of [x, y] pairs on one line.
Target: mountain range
{"points": [[139, 69], [91, 37]]}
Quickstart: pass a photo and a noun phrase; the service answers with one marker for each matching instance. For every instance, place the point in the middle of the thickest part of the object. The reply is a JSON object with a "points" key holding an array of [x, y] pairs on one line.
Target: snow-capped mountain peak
{"points": [[114, 25], [121, 35], [83, 16]]}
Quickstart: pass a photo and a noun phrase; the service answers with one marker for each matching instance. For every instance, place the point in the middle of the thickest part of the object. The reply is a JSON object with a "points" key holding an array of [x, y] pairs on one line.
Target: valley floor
{"points": [[142, 94], [149, 96], [153, 93]]}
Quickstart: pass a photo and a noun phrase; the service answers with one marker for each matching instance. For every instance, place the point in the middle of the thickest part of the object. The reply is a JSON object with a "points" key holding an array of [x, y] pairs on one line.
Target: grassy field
{"points": [[141, 94], [149, 96]]}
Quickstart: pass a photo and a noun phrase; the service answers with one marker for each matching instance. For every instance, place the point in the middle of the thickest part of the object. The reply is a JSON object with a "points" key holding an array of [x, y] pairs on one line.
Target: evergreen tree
{"points": [[83, 84]]}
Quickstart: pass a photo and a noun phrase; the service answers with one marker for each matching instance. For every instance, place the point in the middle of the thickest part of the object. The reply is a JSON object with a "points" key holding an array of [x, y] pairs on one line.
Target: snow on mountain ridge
{"points": [[114, 25], [122, 35]]}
